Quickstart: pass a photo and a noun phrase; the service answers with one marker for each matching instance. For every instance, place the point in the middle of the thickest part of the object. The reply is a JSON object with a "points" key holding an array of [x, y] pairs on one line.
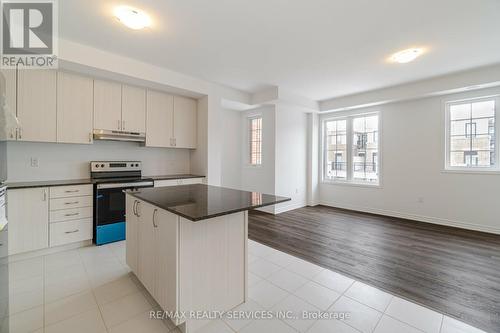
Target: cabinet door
{"points": [[133, 109], [159, 119], [167, 265], [131, 233], [147, 256], [185, 122], [10, 76], [28, 216], [36, 105], [74, 108], [107, 105]]}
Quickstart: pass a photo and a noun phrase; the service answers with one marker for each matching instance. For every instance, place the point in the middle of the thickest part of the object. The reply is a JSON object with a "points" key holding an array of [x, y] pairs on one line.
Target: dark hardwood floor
{"points": [[453, 271]]}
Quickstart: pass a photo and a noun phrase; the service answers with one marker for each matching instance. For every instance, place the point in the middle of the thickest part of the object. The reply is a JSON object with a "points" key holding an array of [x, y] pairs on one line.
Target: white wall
{"points": [[412, 138], [3, 160], [291, 157], [69, 161], [231, 149]]}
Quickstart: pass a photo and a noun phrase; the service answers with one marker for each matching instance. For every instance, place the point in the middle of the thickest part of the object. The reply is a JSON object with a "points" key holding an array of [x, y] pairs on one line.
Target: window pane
{"points": [[472, 134], [255, 136], [365, 149], [336, 149]]}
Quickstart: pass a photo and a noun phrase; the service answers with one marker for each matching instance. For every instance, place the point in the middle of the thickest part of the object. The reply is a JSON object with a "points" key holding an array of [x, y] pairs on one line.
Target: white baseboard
{"points": [[51, 250], [281, 209], [419, 218]]}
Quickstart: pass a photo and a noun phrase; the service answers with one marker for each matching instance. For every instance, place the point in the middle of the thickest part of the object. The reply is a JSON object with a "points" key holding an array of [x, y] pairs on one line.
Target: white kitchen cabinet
{"points": [[10, 76], [36, 105], [166, 244], [159, 119], [74, 108], [185, 122], [146, 251], [133, 109], [28, 215], [107, 105], [132, 233]]}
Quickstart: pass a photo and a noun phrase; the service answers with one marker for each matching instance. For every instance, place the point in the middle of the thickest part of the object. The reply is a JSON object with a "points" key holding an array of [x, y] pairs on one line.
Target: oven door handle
{"points": [[124, 185]]}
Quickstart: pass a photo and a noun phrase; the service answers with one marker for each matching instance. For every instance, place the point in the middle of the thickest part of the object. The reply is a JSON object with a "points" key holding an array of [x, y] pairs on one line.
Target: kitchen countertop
{"points": [[85, 181], [200, 202]]}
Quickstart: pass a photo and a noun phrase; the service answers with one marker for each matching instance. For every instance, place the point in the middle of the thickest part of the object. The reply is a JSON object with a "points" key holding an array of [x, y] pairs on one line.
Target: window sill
{"points": [[473, 171], [354, 184]]}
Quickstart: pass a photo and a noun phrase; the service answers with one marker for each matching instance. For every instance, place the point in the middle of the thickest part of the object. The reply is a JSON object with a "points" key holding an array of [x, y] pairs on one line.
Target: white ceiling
{"points": [[317, 48]]}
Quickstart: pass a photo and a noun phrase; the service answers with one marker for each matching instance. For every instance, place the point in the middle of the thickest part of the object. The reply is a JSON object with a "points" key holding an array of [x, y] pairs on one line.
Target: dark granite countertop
{"points": [[67, 182], [200, 202]]}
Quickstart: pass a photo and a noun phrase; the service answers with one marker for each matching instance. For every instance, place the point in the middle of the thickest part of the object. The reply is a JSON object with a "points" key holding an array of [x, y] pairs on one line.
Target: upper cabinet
{"points": [[160, 116], [74, 108], [133, 109], [185, 122], [107, 105], [10, 76], [36, 105]]}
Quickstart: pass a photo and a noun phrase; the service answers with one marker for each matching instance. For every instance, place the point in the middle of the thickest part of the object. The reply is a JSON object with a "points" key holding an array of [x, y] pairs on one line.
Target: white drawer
{"points": [[70, 214], [175, 182], [72, 202], [70, 232], [70, 191]]}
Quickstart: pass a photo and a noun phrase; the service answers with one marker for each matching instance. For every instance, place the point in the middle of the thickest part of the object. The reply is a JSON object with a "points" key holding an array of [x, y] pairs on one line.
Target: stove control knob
{"points": [[97, 165], [102, 165]]}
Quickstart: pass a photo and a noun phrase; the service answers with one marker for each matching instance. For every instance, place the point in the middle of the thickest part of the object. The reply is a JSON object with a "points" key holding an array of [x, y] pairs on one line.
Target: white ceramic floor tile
{"points": [[415, 315], [265, 326], [24, 322], [89, 321], [114, 290], [261, 250], [305, 268], [370, 296], [331, 326], [215, 326], [62, 288], [266, 294], [68, 307], [333, 280], [124, 308], [451, 325], [253, 279], [391, 325], [141, 323], [281, 259], [106, 274], [317, 295], [252, 258], [361, 317], [296, 306], [263, 268], [25, 285], [287, 280], [241, 316], [61, 260]]}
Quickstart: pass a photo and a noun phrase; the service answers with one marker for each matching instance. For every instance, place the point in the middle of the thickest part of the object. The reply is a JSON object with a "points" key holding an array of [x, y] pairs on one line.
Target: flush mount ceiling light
{"points": [[405, 56], [133, 18]]}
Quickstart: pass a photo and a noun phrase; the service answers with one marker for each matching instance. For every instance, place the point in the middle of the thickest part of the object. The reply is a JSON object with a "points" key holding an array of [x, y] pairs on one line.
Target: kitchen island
{"points": [[188, 247]]}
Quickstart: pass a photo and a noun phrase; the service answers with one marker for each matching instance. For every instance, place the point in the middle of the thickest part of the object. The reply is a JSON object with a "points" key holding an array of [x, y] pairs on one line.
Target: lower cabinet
{"points": [[152, 250], [28, 216]]}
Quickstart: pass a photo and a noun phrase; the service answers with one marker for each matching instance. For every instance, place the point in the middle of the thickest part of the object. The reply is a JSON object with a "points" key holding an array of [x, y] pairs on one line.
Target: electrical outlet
{"points": [[34, 162]]}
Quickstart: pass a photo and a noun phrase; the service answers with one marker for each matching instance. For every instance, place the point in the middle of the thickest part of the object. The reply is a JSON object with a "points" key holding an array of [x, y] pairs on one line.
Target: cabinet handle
{"points": [[154, 215], [72, 231], [71, 191], [123, 124], [73, 214], [137, 209], [134, 208], [44, 195], [72, 203]]}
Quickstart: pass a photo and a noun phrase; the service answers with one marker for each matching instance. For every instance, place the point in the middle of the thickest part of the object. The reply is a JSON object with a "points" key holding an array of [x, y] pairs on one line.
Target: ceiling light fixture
{"points": [[132, 18], [407, 55]]}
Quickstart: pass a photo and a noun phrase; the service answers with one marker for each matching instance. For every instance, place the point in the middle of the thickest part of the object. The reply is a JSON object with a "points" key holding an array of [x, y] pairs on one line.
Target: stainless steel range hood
{"points": [[119, 136]]}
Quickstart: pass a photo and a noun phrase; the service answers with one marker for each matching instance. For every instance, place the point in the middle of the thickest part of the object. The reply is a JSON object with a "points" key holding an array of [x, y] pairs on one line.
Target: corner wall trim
{"points": [[282, 209], [414, 217]]}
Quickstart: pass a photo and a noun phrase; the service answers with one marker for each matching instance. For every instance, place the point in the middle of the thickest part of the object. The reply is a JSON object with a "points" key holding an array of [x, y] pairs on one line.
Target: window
{"points": [[255, 140], [471, 134], [351, 149]]}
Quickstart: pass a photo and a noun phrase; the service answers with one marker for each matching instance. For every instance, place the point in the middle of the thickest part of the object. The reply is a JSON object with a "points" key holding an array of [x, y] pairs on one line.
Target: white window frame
{"points": [[349, 181], [248, 145], [478, 169]]}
